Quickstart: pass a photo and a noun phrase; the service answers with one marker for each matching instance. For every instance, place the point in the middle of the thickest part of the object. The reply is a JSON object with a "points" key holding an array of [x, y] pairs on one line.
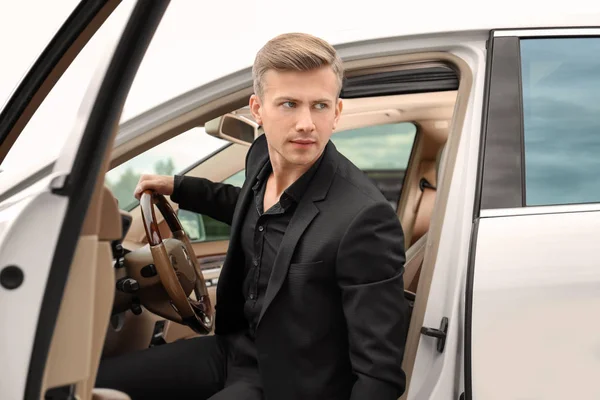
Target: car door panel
{"points": [[50, 213], [533, 280], [24, 222], [531, 296]]}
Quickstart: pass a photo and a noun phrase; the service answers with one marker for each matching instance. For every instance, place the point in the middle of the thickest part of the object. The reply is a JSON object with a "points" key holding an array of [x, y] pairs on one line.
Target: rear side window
{"points": [[382, 152], [561, 120]]}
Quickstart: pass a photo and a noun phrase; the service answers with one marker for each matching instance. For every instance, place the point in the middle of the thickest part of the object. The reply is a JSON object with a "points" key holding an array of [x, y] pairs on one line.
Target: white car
{"points": [[483, 133]]}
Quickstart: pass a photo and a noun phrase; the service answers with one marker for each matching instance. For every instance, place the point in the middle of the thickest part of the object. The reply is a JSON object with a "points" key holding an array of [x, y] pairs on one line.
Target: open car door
{"points": [[43, 205]]}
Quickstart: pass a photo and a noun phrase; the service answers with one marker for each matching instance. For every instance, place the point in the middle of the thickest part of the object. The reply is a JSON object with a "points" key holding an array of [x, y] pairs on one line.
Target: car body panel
{"points": [[32, 219], [533, 297]]}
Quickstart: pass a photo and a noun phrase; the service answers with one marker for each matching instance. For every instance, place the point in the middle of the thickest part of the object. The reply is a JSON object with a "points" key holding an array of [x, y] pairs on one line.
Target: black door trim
{"points": [[502, 168], [484, 119], [80, 185]]}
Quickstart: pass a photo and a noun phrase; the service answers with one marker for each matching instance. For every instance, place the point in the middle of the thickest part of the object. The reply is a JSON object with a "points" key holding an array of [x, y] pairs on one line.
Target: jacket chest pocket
{"points": [[316, 271]]}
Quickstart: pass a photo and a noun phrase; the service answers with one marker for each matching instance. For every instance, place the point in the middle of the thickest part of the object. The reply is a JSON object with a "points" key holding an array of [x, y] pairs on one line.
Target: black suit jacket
{"points": [[334, 320]]}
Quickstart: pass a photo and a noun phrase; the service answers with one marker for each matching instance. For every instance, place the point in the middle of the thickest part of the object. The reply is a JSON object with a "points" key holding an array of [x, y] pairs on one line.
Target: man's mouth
{"points": [[303, 142]]}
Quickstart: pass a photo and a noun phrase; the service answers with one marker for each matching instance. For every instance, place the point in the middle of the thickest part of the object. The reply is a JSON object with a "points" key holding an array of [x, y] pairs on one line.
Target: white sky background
{"points": [[199, 41]]}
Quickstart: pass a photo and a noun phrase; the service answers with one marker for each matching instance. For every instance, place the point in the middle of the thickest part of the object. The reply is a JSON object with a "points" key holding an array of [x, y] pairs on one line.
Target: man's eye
{"points": [[289, 104], [320, 106]]}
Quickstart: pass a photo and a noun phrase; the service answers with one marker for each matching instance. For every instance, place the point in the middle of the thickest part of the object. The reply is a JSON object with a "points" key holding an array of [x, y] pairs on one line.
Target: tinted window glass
{"points": [[202, 228], [379, 147], [168, 158], [561, 107], [382, 152]]}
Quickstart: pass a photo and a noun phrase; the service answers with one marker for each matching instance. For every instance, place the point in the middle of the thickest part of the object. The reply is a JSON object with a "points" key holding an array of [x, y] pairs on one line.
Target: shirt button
{"points": [[261, 228], [255, 263], [251, 296]]}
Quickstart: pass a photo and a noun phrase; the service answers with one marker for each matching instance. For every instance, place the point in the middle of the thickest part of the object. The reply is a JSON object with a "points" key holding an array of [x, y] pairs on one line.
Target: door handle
{"points": [[439, 334]]}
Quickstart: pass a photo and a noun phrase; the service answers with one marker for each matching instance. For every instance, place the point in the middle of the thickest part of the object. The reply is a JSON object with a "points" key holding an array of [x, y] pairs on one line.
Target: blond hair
{"points": [[295, 52]]}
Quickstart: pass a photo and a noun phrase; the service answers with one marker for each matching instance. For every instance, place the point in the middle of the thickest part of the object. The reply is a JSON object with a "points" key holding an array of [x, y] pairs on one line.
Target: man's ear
{"points": [[338, 112], [255, 108]]}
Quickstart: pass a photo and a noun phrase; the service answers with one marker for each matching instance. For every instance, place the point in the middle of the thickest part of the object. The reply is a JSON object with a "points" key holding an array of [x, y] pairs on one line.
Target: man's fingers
{"points": [[139, 189], [151, 183]]}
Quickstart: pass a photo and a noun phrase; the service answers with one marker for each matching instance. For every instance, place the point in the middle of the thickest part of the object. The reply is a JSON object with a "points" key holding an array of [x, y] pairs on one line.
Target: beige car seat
{"points": [[416, 252], [109, 394]]}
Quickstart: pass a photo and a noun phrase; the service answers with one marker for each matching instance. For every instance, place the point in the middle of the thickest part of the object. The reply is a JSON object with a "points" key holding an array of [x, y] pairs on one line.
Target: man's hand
{"points": [[160, 184]]}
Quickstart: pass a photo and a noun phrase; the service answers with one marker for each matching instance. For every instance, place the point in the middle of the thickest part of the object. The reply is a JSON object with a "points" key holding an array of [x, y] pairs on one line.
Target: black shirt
{"points": [[262, 233]]}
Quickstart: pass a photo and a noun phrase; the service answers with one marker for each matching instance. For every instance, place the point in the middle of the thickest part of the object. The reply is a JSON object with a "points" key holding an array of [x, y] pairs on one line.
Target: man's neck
{"points": [[285, 174]]}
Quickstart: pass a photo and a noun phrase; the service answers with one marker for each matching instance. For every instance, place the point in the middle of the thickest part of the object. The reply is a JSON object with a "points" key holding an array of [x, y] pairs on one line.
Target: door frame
{"points": [[98, 135]]}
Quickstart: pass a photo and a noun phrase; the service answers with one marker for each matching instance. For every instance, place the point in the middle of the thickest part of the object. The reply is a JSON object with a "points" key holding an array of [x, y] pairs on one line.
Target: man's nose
{"points": [[305, 121]]}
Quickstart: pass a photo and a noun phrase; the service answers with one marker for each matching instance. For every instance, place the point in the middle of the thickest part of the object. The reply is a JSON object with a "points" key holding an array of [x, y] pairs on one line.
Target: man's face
{"points": [[298, 111]]}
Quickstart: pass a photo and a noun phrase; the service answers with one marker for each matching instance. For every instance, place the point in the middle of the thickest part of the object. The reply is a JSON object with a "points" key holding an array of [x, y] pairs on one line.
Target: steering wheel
{"points": [[177, 278]]}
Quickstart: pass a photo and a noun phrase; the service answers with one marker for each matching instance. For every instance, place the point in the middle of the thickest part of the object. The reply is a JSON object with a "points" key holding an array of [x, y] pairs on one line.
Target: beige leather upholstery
{"points": [[109, 394], [416, 252], [87, 300], [424, 205], [412, 266], [110, 229]]}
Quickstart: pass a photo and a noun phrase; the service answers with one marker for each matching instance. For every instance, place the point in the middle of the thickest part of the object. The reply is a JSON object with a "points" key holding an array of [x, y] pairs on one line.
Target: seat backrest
{"points": [[412, 266], [424, 207]]}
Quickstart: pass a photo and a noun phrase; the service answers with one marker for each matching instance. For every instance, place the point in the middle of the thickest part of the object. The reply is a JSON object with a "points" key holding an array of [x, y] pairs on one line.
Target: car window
{"points": [[168, 158], [202, 228], [44, 136], [382, 152], [561, 120], [33, 29]]}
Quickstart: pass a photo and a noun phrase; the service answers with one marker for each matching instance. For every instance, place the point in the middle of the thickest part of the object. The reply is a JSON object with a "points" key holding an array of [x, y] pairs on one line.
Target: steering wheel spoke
{"points": [[177, 268]]}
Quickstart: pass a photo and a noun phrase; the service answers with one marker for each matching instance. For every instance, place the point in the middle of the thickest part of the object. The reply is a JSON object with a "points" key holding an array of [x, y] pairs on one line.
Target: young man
{"points": [[310, 299]]}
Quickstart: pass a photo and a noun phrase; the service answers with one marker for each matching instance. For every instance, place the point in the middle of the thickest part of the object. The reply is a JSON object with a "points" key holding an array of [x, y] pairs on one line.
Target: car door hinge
{"points": [[440, 334]]}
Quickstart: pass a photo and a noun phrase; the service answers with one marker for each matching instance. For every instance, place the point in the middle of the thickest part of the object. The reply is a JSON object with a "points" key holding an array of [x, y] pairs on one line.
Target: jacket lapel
{"points": [[303, 216], [258, 155]]}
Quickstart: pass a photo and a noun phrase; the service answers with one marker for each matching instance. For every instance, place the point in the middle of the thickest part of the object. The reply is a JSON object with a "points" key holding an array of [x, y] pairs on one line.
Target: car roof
{"points": [[209, 49]]}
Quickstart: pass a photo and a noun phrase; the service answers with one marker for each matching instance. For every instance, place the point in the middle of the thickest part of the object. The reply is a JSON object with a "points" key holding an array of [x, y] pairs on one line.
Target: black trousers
{"points": [[198, 369]]}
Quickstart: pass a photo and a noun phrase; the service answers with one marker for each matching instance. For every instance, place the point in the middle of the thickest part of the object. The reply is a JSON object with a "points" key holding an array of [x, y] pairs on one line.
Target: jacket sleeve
{"points": [[370, 268], [200, 195]]}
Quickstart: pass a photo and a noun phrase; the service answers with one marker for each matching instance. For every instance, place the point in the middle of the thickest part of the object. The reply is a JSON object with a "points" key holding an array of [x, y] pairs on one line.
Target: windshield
{"points": [[168, 158]]}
